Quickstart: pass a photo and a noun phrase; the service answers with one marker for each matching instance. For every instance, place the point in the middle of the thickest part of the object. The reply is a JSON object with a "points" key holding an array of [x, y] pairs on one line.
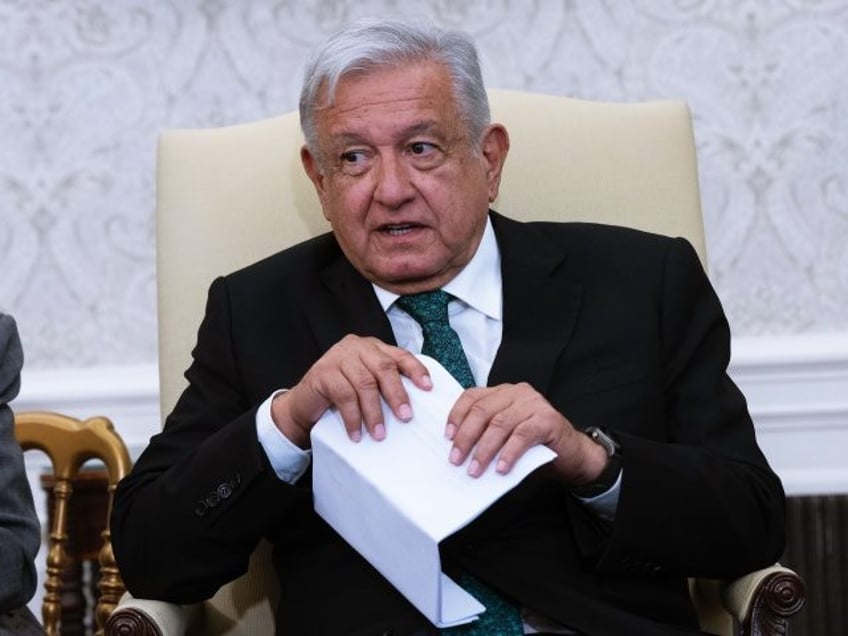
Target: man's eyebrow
{"points": [[429, 126], [345, 139]]}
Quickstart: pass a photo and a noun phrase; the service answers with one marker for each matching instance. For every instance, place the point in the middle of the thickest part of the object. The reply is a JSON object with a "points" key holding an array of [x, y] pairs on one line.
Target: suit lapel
{"points": [[540, 305], [345, 303]]}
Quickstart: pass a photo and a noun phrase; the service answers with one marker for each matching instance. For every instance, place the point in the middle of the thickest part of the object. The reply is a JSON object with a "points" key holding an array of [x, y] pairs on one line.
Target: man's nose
{"points": [[394, 184]]}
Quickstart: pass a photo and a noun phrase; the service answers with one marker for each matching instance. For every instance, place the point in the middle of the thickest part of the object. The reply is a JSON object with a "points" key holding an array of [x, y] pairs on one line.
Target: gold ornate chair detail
{"points": [[242, 190], [69, 443]]}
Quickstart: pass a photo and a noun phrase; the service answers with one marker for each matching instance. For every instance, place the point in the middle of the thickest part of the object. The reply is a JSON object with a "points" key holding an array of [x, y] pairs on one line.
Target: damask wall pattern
{"points": [[86, 86]]}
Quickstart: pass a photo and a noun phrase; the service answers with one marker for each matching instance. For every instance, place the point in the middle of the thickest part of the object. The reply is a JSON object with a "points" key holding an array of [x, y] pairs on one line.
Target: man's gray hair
{"points": [[368, 44]]}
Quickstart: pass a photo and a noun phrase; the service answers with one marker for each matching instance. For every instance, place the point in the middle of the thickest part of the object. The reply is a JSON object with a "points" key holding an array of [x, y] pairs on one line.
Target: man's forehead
{"points": [[388, 113]]}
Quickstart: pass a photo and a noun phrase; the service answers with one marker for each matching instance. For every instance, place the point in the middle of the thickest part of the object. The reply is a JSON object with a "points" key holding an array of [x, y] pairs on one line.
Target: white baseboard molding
{"points": [[127, 395], [797, 390]]}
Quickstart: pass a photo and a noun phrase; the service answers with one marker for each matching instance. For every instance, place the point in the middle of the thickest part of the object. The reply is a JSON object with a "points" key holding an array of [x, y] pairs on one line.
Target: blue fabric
{"points": [[441, 342]]}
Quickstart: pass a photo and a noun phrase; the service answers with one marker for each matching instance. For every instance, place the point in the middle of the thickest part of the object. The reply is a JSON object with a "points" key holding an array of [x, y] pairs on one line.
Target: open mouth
{"points": [[399, 229]]}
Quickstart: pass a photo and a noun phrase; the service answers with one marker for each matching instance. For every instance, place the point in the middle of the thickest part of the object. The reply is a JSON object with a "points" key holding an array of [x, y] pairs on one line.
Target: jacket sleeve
{"points": [[203, 493], [700, 499], [20, 533]]}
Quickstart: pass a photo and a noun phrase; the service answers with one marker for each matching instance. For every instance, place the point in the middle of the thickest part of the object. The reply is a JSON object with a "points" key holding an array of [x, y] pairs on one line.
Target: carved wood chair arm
{"points": [[142, 617], [762, 602]]}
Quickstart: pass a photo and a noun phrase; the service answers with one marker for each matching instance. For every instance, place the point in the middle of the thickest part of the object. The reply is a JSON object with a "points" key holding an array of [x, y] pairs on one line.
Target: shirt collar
{"points": [[478, 284]]}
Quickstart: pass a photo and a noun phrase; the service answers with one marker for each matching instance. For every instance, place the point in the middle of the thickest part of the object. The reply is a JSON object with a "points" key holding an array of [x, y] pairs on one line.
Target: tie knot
{"points": [[426, 307]]}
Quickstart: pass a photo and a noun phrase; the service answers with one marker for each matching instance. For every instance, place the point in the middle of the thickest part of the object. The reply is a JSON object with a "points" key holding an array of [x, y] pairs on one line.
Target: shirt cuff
{"points": [[287, 459], [605, 504]]}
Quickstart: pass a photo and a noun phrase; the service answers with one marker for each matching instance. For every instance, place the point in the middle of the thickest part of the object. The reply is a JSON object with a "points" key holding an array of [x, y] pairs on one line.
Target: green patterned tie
{"points": [[441, 342], [430, 310]]}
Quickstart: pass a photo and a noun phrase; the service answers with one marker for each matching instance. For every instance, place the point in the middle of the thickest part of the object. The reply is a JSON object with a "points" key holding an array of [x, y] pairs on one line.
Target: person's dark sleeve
{"points": [[20, 534], [201, 496], [703, 500]]}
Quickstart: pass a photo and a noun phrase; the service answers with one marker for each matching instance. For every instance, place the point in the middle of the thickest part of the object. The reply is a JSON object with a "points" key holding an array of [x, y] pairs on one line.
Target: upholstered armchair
{"points": [[229, 196]]}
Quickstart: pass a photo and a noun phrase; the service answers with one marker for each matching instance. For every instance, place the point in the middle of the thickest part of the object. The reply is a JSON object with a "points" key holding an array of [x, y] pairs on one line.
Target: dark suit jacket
{"points": [[617, 328], [20, 534]]}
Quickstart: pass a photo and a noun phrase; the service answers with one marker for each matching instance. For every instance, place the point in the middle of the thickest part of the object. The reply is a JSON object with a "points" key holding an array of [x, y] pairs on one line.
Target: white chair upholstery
{"points": [[229, 196]]}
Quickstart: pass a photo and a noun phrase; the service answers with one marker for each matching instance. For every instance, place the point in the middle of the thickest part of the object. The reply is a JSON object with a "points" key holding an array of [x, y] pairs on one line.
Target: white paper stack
{"points": [[395, 500]]}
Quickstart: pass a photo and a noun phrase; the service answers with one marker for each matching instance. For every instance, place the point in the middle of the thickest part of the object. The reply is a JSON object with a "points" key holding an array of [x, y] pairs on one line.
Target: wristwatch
{"points": [[609, 475]]}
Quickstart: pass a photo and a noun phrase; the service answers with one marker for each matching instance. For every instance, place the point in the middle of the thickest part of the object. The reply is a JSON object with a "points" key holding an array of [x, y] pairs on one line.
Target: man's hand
{"points": [[504, 421], [352, 376]]}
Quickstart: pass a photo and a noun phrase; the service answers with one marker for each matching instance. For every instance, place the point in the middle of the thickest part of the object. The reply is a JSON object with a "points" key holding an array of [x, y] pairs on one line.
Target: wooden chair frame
{"points": [[69, 443]]}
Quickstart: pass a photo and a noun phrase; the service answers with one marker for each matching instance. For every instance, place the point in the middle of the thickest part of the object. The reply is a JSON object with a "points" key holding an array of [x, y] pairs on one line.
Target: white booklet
{"points": [[395, 500]]}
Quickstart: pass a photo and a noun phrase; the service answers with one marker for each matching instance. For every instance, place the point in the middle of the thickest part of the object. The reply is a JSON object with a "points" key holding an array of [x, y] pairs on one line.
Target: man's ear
{"points": [[494, 148], [313, 171]]}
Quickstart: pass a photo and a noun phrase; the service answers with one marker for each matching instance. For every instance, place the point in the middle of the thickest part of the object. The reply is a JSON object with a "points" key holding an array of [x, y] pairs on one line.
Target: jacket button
{"points": [[224, 491]]}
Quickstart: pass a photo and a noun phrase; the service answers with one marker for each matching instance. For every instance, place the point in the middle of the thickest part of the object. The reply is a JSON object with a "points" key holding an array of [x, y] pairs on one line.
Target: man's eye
{"points": [[421, 147], [353, 156]]}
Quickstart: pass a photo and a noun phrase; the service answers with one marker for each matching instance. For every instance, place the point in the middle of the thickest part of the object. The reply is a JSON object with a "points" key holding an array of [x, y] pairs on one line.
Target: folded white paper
{"points": [[395, 500]]}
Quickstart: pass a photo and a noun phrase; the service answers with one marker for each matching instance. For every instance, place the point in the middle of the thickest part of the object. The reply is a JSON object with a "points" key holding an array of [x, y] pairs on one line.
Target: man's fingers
{"points": [[414, 369], [481, 419], [499, 424], [388, 372], [357, 375], [522, 437]]}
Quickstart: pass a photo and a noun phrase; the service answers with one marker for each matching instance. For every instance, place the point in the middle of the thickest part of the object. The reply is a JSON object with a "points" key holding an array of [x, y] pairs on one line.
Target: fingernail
{"points": [[474, 468], [450, 431], [379, 432], [502, 466], [427, 381], [405, 412], [355, 436], [454, 456]]}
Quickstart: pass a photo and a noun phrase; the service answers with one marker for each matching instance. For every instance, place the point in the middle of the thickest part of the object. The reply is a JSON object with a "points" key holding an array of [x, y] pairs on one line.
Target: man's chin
{"points": [[412, 281]]}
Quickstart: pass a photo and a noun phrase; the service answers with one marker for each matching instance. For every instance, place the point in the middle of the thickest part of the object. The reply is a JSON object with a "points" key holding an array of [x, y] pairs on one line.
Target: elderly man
{"points": [[20, 534], [604, 344]]}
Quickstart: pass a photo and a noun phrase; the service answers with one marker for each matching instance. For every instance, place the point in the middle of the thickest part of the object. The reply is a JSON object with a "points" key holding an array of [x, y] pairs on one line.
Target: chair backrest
{"points": [[229, 196], [69, 443]]}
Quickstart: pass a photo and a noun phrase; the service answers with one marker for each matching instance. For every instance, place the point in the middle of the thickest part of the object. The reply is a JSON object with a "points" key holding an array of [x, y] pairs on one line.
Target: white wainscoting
{"points": [[127, 395], [797, 390]]}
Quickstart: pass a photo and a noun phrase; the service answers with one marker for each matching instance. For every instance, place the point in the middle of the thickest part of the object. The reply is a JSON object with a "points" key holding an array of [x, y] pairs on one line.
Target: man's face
{"points": [[398, 177]]}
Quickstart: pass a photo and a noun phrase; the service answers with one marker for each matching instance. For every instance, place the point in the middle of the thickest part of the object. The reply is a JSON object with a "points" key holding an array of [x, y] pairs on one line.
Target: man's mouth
{"points": [[399, 229]]}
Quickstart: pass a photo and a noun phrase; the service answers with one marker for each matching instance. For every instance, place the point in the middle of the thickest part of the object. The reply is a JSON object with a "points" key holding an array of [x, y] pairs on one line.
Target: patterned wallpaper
{"points": [[85, 87]]}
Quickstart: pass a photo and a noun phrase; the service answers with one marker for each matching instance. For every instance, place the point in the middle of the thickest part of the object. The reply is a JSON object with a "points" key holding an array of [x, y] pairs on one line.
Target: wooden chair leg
{"points": [[56, 559], [111, 586]]}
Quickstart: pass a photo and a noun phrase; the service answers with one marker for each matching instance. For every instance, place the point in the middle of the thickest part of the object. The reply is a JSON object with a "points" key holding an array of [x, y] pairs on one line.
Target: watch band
{"points": [[609, 475], [599, 436]]}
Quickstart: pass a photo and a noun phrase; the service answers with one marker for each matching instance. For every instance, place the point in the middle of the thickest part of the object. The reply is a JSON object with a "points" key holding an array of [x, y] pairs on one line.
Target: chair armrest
{"points": [[144, 617], [763, 601]]}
